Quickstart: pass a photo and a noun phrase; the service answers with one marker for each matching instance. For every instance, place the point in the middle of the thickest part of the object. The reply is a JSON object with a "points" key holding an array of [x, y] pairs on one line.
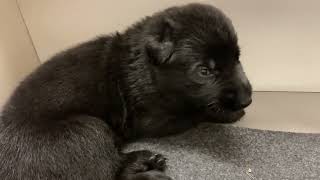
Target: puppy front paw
{"points": [[157, 161], [144, 165]]}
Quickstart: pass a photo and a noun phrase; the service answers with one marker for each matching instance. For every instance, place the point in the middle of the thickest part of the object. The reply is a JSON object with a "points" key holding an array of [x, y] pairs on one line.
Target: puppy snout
{"points": [[245, 102], [243, 98], [237, 100]]}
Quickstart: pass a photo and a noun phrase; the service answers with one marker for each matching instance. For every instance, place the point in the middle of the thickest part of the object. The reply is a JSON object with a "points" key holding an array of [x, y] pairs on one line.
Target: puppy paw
{"points": [[144, 165], [142, 161], [157, 161]]}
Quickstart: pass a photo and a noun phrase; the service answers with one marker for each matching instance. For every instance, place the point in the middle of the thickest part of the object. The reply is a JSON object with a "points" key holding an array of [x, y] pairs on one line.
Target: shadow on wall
{"points": [[17, 55]]}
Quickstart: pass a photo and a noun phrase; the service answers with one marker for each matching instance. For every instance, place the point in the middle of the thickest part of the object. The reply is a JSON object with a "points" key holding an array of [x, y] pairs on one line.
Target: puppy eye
{"points": [[204, 71]]}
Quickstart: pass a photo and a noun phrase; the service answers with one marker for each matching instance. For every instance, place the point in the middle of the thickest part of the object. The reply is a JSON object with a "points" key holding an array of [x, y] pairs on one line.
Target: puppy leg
{"points": [[76, 148], [144, 165]]}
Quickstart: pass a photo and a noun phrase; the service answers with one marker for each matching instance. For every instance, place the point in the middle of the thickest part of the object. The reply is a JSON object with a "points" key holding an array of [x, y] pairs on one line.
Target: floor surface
{"points": [[218, 152], [253, 148]]}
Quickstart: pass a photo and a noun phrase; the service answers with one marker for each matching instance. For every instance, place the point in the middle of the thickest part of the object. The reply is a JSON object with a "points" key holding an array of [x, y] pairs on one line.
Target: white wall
{"points": [[279, 38], [17, 56]]}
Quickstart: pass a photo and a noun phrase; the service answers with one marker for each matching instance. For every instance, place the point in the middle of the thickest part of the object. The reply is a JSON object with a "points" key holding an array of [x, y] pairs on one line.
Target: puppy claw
{"points": [[158, 161], [155, 156]]}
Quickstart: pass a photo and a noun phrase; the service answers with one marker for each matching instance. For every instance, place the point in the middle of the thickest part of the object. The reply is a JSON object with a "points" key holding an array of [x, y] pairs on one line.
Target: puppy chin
{"points": [[235, 116], [224, 117]]}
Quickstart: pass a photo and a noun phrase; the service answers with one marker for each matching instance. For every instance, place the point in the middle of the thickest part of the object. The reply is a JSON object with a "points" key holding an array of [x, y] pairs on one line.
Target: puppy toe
{"points": [[157, 161]]}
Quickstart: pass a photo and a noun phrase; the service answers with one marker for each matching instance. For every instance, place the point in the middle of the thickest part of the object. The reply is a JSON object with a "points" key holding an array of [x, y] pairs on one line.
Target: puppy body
{"points": [[69, 118]]}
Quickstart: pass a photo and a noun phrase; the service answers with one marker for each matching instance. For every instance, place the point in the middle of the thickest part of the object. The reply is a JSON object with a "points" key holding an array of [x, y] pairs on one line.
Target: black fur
{"points": [[165, 74]]}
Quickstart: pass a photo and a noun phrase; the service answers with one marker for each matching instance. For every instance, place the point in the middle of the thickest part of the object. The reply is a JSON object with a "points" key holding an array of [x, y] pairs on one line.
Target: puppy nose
{"points": [[237, 100]]}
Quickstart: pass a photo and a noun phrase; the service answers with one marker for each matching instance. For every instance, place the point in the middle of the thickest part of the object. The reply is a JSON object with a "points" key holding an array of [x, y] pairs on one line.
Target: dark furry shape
{"points": [[70, 117]]}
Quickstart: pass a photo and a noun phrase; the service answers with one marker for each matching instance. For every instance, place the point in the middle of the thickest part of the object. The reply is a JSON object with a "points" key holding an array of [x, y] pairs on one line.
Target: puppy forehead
{"points": [[210, 56]]}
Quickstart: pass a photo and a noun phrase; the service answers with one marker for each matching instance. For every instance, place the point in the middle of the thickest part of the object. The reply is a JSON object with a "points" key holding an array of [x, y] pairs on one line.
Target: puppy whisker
{"points": [[211, 103]]}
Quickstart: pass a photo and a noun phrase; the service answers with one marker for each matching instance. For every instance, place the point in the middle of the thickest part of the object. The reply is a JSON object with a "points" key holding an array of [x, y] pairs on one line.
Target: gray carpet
{"points": [[224, 152]]}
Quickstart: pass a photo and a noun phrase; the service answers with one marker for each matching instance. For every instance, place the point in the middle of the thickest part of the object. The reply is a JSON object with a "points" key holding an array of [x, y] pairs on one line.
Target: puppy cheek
{"points": [[212, 90]]}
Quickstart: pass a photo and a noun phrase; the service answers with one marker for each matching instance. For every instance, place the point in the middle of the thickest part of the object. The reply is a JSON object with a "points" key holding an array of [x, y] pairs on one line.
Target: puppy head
{"points": [[194, 54]]}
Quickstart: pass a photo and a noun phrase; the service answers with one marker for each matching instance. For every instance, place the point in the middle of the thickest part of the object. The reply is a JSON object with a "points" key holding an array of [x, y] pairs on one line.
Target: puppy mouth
{"points": [[216, 107]]}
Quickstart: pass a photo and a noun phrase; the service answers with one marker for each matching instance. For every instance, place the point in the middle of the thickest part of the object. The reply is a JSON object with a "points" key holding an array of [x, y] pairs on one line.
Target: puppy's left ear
{"points": [[160, 45]]}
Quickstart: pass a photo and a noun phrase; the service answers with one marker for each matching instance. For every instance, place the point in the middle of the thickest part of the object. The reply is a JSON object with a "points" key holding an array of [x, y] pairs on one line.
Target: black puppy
{"points": [[165, 74]]}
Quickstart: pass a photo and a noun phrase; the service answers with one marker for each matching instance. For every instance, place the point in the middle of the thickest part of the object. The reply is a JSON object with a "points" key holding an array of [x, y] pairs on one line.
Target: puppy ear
{"points": [[159, 47]]}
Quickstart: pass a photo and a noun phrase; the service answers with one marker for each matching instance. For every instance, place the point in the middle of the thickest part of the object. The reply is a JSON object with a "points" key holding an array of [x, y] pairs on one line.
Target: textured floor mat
{"points": [[212, 152]]}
